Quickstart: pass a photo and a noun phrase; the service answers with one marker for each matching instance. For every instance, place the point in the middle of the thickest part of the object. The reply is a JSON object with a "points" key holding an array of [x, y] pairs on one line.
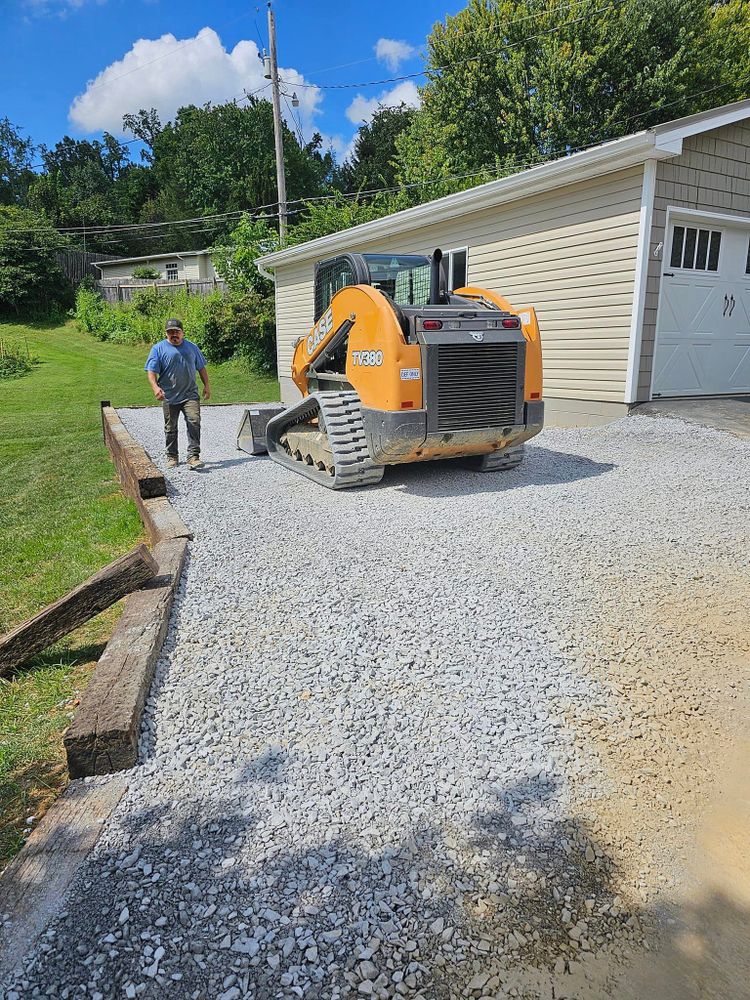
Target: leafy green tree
{"points": [[16, 155], [235, 260], [514, 82], [335, 213], [373, 162], [220, 158], [729, 48], [31, 281], [86, 183]]}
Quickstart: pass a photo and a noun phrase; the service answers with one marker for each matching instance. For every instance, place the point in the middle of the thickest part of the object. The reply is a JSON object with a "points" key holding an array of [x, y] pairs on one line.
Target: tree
{"points": [[514, 82], [16, 155], [373, 162], [220, 158], [87, 183], [31, 280]]}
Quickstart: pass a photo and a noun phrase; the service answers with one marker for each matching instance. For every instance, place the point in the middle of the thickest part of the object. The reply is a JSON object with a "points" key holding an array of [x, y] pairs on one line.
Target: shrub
{"points": [[144, 271], [238, 325], [242, 325], [15, 360], [31, 281]]}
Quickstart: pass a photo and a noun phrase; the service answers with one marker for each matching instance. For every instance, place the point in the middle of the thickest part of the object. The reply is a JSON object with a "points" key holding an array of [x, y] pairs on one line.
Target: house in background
{"points": [[192, 265], [635, 254]]}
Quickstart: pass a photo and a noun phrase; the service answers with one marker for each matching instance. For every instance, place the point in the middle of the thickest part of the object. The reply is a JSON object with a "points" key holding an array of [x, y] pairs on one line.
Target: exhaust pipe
{"points": [[436, 278]]}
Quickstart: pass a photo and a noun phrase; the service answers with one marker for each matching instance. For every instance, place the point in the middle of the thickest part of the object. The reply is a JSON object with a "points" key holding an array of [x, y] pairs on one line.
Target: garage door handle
{"points": [[726, 304], [731, 308]]}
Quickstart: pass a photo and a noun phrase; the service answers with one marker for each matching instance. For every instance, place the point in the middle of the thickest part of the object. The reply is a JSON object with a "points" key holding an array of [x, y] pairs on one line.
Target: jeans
{"points": [[191, 410]]}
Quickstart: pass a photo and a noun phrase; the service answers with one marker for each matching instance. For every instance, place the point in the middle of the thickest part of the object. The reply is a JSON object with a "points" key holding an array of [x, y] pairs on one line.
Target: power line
{"points": [[221, 218], [458, 62]]}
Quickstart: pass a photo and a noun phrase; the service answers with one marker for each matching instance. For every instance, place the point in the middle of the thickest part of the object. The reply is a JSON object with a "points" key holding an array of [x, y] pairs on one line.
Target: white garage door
{"points": [[703, 326]]}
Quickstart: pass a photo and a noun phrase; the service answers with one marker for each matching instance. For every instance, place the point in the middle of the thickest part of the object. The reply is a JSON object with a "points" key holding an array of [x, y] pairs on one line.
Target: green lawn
{"points": [[62, 517]]}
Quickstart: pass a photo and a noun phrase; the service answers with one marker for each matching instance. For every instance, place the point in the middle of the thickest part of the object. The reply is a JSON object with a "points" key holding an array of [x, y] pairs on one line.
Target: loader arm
{"points": [[360, 339]]}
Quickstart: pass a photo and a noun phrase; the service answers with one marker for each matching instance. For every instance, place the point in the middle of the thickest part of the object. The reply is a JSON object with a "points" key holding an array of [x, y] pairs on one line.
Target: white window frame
{"points": [[174, 267], [697, 227], [449, 255]]}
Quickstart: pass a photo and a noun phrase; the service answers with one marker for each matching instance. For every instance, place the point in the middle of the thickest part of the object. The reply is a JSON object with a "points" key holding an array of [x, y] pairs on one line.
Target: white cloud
{"points": [[363, 108], [336, 143], [392, 52], [166, 73]]}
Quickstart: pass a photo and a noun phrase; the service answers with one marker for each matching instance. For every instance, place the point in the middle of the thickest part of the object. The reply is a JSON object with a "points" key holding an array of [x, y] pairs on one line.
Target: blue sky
{"points": [[75, 66]]}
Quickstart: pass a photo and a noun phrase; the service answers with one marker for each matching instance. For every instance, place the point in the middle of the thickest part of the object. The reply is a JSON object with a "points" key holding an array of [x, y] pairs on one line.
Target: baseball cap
{"points": [[174, 324]]}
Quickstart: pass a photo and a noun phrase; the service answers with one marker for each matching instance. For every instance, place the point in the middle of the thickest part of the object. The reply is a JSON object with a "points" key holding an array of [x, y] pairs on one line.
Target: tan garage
{"points": [[635, 254]]}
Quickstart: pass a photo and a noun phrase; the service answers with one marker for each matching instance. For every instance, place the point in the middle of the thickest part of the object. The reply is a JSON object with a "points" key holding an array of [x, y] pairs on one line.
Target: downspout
{"points": [[641, 276]]}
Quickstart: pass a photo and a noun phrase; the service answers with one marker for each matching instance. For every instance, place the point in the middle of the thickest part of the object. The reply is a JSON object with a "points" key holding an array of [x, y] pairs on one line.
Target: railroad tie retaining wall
{"points": [[103, 736]]}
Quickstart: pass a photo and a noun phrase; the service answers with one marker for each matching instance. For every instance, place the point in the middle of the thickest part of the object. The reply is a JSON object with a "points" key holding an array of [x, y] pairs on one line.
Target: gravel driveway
{"points": [[390, 727]]}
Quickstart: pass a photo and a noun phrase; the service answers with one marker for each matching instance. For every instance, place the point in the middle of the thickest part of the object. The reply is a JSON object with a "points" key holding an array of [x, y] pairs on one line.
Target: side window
{"points": [[171, 271], [457, 267], [695, 249], [747, 264], [330, 278]]}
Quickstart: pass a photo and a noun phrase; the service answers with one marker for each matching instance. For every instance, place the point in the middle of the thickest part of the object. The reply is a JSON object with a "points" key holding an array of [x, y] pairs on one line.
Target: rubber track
{"points": [[342, 421]]}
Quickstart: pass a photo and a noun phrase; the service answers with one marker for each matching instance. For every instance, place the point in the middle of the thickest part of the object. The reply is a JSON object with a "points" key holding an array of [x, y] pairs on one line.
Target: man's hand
{"points": [[159, 393], [206, 392]]}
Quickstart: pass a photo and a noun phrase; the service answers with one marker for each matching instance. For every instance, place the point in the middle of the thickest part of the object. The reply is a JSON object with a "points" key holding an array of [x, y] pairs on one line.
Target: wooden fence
{"points": [[77, 265], [117, 290]]}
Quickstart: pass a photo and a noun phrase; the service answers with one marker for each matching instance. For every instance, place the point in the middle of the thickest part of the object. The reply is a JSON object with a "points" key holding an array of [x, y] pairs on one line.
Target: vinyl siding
{"points": [[570, 253], [712, 174], [188, 269]]}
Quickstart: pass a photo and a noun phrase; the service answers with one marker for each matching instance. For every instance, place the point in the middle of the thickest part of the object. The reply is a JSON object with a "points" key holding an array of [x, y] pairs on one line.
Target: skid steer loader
{"points": [[398, 369]]}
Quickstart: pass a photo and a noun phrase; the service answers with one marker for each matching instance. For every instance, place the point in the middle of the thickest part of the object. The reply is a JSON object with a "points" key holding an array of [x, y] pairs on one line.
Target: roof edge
{"points": [[606, 158], [658, 143], [152, 256]]}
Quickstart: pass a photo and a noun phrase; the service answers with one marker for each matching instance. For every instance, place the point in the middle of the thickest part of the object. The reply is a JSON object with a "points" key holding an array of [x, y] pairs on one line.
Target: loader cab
{"points": [[404, 278]]}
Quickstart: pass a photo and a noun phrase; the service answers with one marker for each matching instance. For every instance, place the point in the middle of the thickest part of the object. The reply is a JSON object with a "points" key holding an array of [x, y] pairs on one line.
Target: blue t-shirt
{"points": [[175, 369]]}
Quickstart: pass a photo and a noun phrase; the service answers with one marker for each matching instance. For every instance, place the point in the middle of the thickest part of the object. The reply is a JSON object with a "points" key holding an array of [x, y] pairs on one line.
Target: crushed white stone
{"points": [[357, 776]]}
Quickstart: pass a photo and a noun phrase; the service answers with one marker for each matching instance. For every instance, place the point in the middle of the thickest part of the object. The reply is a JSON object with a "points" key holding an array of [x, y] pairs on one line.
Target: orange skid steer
{"points": [[399, 369]]}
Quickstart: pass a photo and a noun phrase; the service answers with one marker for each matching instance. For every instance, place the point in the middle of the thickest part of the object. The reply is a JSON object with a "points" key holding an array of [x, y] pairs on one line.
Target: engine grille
{"points": [[478, 386]]}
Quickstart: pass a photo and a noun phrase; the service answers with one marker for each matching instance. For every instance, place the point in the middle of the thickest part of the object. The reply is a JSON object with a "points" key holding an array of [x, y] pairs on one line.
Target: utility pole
{"points": [[278, 136]]}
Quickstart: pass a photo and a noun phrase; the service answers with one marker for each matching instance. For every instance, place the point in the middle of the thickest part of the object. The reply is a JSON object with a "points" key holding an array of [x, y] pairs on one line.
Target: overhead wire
{"points": [[506, 169], [458, 62]]}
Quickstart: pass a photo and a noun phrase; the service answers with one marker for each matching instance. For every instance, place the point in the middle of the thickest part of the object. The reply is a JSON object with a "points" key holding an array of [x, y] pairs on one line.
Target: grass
{"points": [[62, 517]]}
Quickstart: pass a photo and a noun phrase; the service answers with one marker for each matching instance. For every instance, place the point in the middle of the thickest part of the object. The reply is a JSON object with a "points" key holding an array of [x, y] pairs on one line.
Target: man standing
{"points": [[171, 368]]}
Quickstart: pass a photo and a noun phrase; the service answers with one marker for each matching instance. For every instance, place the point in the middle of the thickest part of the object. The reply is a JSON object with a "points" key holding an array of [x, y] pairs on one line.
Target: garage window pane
{"points": [[702, 254], [688, 256], [678, 241], [713, 252]]}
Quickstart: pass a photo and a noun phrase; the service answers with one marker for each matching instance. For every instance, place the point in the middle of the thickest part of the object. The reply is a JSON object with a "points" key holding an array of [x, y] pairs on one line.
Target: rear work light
{"points": [[432, 324], [511, 323]]}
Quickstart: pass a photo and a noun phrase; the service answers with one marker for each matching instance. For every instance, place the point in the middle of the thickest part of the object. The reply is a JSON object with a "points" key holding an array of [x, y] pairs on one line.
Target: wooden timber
{"points": [[103, 736], [126, 574], [34, 885], [138, 475]]}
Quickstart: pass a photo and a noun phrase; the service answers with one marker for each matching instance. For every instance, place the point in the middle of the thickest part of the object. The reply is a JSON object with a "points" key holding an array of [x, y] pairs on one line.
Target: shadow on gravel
{"points": [[227, 463], [232, 901], [540, 467], [517, 908]]}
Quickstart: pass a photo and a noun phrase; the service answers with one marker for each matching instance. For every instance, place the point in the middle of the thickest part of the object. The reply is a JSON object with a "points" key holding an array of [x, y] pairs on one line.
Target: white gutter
{"points": [[598, 160]]}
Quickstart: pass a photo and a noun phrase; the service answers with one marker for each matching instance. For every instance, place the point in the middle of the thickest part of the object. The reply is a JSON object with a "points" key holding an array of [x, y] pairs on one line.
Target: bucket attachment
{"points": [[251, 434]]}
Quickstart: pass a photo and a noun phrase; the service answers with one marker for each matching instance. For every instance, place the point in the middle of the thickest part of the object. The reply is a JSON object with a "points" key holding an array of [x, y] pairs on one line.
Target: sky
{"points": [[76, 66]]}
